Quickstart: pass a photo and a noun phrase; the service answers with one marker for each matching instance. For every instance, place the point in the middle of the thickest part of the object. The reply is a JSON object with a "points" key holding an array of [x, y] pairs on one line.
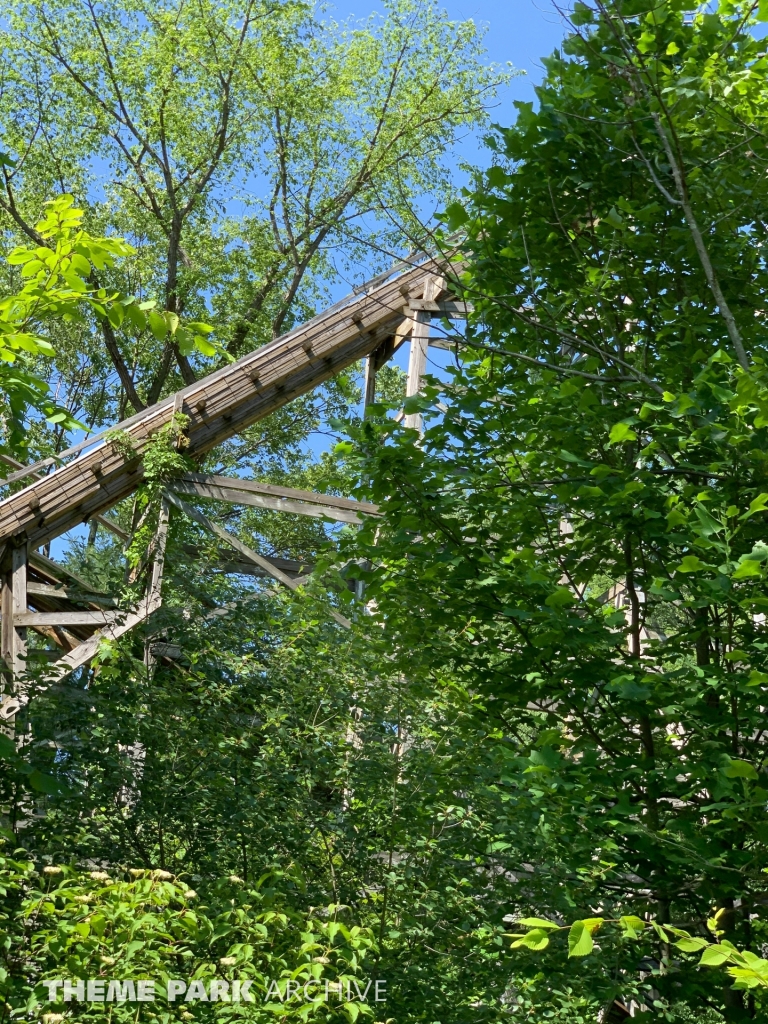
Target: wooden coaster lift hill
{"points": [[40, 594]]}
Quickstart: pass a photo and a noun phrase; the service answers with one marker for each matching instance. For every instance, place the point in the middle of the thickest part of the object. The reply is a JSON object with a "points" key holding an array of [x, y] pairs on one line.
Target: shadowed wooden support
{"points": [[112, 624], [279, 499], [13, 639]]}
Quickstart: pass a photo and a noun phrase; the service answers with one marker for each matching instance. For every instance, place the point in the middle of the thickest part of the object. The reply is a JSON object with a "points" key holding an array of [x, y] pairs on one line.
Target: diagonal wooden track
{"points": [[218, 406]]}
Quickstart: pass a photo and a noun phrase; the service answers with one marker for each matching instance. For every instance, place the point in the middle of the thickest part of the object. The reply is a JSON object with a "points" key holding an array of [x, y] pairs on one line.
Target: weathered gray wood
{"points": [[18, 584], [48, 590], [369, 383], [243, 497], [243, 549], [84, 618], [219, 406], [256, 487], [449, 309], [55, 571], [83, 654], [161, 537], [417, 363], [33, 471]]}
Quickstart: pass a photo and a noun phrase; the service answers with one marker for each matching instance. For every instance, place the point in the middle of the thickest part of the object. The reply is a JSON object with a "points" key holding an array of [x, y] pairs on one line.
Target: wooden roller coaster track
{"points": [[96, 474]]}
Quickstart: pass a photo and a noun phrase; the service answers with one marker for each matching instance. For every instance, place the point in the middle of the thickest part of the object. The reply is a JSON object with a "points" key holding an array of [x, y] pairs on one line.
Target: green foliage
{"points": [[136, 924], [579, 537], [55, 290]]}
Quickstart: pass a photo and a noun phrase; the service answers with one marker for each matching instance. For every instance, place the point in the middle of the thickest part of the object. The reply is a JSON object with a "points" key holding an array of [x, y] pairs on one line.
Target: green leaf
{"points": [[691, 944], [736, 769], [613, 218], [714, 956], [158, 325], [43, 783], [632, 926], [747, 569], [691, 563], [621, 433], [537, 922], [203, 345], [560, 598], [80, 264], [537, 939], [580, 941], [7, 748], [172, 322], [759, 504]]}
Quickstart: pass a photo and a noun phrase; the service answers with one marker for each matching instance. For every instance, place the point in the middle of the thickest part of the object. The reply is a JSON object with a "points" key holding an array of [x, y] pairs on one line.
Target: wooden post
{"points": [[369, 386], [159, 561], [154, 596], [13, 639], [417, 364]]}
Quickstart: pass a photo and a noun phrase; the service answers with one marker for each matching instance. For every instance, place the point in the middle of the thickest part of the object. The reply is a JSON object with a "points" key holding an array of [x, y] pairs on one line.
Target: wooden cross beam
{"points": [[248, 553], [271, 496]]}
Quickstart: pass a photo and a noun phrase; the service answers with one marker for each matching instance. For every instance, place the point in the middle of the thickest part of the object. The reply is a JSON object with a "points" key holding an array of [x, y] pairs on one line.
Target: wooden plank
{"points": [[47, 590], [158, 562], [7, 632], [369, 382], [219, 406], [84, 618], [450, 309], [256, 487], [83, 654], [244, 550], [237, 497], [226, 563], [33, 471], [56, 571], [18, 585]]}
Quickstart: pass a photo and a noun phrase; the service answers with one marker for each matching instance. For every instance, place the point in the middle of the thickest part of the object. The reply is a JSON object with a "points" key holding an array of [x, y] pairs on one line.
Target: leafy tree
{"points": [[240, 145], [579, 536]]}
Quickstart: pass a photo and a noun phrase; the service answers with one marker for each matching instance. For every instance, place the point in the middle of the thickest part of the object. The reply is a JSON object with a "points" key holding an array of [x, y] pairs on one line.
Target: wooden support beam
{"points": [[158, 562], [113, 624], [417, 364], [369, 382], [238, 496], [225, 562], [13, 638], [56, 572], [243, 549], [48, 591], [84, 618], [458, 310], [33, 471], [256, 487], [82, 654]]}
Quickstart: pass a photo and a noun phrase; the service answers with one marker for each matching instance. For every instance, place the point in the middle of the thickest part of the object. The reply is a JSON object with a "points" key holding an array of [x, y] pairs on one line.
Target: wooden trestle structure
{"points": [[39, 594]]}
